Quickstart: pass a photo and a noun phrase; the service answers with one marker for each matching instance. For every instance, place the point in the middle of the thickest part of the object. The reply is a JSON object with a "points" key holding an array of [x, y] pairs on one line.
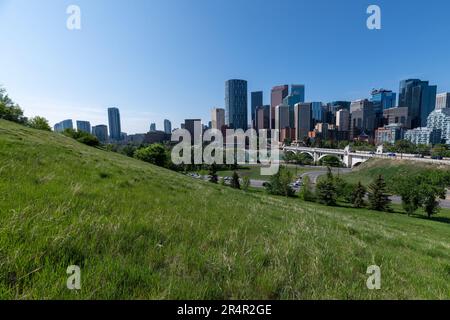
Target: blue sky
{"points": [[158, 59]]}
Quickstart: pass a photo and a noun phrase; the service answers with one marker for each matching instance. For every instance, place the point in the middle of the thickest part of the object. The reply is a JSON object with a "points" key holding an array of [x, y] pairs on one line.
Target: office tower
{"points": [[152, 127], [397, 116], [236, 104], [420, 99], [263, 117], [362, 118], [114, 124], [383, 99], [297, 95], [303, 120], [101, 132], [209, 124], [281, 117], [318, 112], [277, 96], [343, 120], [256, 101], [218, 118], [329, 115], [443, 100], [194, 126], [167, 126], [63, 125], [84, 126]]}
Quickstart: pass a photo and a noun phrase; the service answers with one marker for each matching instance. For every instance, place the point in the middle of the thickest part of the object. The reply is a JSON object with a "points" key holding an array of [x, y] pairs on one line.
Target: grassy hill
{"points": [[138, 231], [389, 169]]}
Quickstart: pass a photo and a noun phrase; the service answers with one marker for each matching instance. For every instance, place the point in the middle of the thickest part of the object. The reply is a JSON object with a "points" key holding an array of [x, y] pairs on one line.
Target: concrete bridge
{"points": [[352, 158], [349, 158]]}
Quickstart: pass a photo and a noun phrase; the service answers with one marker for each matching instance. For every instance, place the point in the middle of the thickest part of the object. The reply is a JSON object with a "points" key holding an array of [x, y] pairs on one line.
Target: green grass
{"points": [[389, 169], [143, 232]]}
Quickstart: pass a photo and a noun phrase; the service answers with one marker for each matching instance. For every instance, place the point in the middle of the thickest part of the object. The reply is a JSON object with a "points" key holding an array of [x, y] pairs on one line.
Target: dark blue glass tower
{"points": [[256, 101], [236, 104], [420, 99], [114, 124]]}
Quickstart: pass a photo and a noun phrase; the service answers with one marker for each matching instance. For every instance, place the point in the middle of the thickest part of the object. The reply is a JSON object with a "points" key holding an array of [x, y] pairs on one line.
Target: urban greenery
{"points": [[143, 232]]}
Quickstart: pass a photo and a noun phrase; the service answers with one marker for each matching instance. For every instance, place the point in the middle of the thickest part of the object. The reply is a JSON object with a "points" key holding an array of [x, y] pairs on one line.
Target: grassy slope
{"points": [[369, 170], [138, 231]]}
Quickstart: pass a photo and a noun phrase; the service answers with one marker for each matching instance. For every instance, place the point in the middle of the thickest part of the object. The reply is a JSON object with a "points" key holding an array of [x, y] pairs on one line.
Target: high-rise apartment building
{"points": [[218, 118], [63, 125], [440, 120], [101, 132], [236, 111], [420, 99], [167, 126], [115, 129], [443, 100], [84, 126]]}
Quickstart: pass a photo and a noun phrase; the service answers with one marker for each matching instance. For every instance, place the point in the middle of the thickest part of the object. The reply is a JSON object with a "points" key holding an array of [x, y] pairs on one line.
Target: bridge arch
{"points": [[341, 158]]}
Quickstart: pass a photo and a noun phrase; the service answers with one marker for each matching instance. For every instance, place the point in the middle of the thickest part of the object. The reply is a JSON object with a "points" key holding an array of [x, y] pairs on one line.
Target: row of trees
{"points": [[11, 111], [422, 190]]}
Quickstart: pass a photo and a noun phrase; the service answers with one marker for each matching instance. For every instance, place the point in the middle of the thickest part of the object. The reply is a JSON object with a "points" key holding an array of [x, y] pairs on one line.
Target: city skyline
{"points": [[78, 74]]}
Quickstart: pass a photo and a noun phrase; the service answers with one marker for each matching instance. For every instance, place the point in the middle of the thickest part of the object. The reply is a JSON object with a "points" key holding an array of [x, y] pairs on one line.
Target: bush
{"points": [[279, 183], [39, 123], [82, 137], [155, 154]]}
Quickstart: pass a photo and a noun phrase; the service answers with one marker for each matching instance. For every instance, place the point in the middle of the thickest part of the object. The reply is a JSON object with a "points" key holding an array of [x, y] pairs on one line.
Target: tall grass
{"points": [[142, 232]]}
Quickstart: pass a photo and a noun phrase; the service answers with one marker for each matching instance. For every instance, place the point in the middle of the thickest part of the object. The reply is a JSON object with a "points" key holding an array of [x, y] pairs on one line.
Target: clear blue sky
{"points": [[158, 59]]}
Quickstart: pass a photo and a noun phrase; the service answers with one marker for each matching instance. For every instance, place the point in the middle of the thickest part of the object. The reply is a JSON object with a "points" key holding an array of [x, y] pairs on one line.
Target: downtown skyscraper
{"points": [[236, 109], [277, 96], [420, 99], [114, 124], [256, 101]]}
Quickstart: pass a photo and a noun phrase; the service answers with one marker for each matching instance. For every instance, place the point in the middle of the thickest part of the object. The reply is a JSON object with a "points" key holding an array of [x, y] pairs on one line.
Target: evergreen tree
{"points": [[326, 190], [358, 196], [378, 196], [213, 178], [235, 183], [306, 192]]}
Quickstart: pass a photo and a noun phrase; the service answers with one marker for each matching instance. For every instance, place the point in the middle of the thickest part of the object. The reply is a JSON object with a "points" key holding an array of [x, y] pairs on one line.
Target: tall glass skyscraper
{"points": [[420, 99], [256, 101], [318, 112], [114, 124], [84, 126], [236, 111], [167, 126], [383, 99]]}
